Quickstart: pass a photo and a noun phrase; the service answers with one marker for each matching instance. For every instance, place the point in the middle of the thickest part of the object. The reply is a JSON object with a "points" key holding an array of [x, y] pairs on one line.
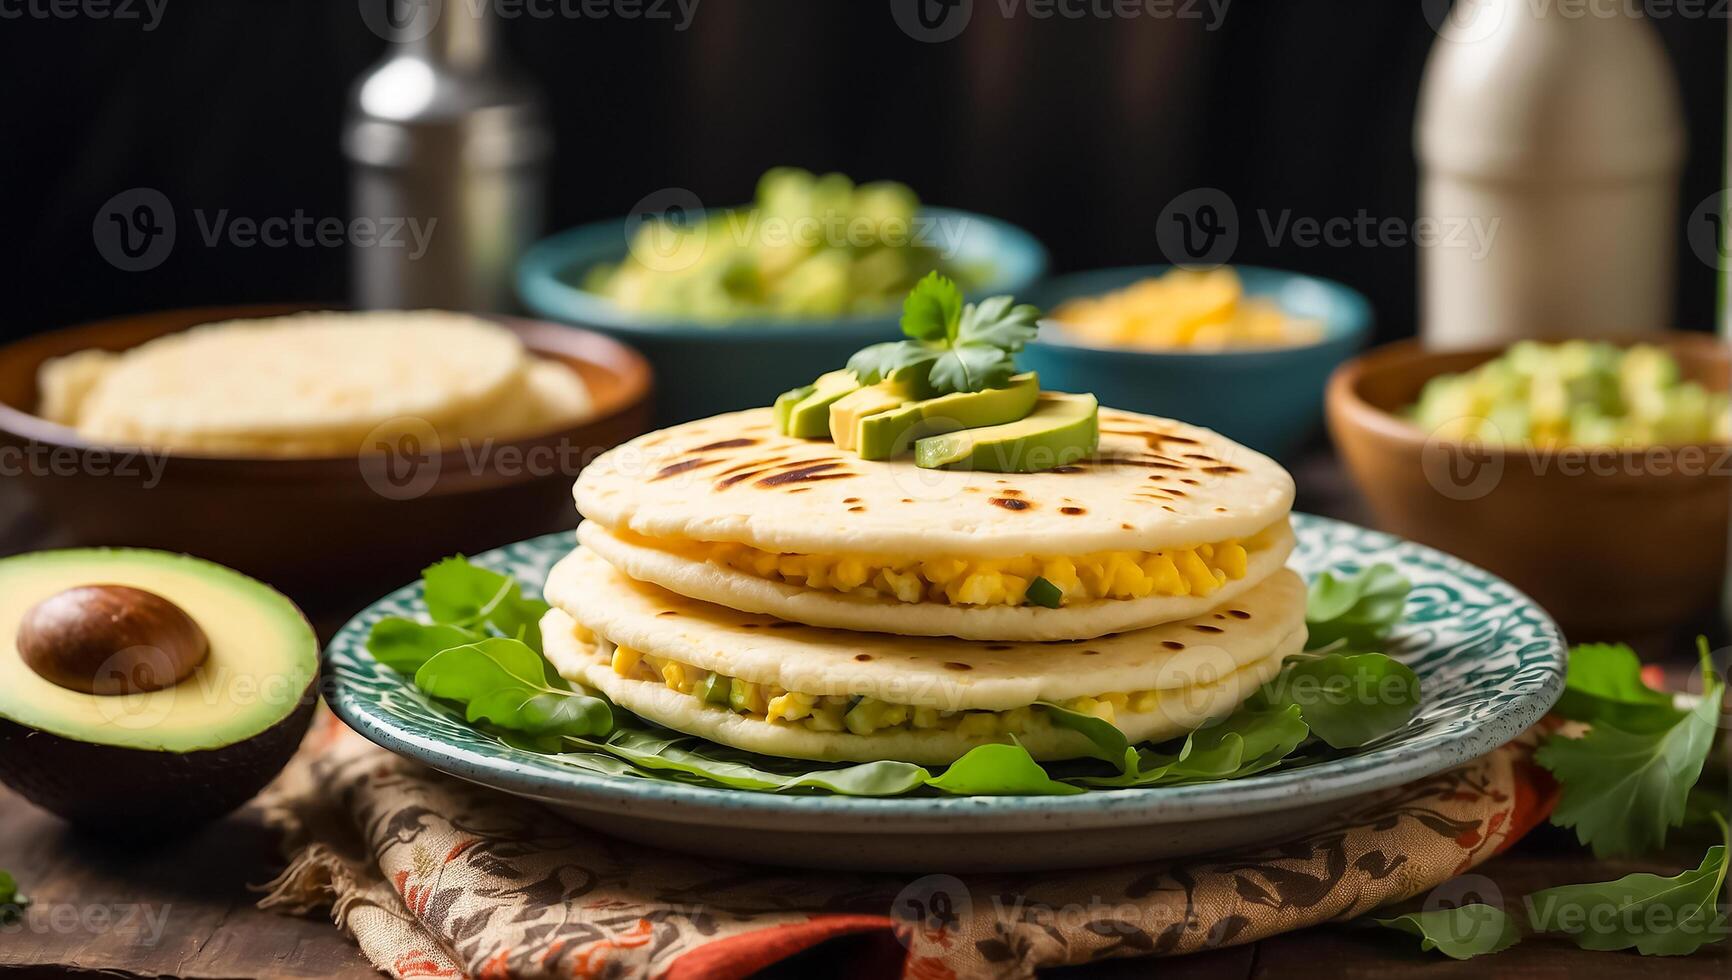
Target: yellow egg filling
{"points": [[857, 714], [1197, 570]]}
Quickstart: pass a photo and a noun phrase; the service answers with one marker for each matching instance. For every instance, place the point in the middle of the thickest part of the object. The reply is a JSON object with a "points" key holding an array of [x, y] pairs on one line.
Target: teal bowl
{"points": [[706, 368], [1270, 399]]}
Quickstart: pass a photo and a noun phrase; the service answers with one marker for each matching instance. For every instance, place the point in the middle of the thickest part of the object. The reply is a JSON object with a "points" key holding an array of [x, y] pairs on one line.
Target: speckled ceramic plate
{"points": [[1490, 663]]}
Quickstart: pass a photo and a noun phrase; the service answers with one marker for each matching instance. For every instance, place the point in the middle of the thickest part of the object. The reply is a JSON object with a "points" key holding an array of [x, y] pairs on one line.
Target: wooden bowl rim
{"points": [[1348, 407], [598, 350]]}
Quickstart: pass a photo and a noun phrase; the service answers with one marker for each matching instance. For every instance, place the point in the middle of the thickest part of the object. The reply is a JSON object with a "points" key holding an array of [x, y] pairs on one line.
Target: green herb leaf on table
{"points": [[1000, 770], [463, 594], [1347, 700], [404, 645], [501, 681], [1658, 916], [1621, 790], [11, 902], [1460, 933], [1356, 609], [1604, 686]]}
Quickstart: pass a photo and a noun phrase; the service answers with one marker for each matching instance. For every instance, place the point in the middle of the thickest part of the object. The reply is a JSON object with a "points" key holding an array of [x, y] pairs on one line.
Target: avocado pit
{"points": [[110, 640]]}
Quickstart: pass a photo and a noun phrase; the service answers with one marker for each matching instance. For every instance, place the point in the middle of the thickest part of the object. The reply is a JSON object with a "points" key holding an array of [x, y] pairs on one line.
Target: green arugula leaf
{"points": [[1673, 916], [999, 770], [463, 594], [1622, 791], [933, 309], [1459, 933], [502, 681], [1604, 686], [1347, 699], [1249, 741], [730, 769], [404, 645], [1110, 744], [1357, 609]]}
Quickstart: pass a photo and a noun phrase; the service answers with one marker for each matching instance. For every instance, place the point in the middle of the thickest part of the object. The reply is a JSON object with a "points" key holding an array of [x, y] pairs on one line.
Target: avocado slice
{"points": [[1062, 429], [903, 386], [847, 411], [169, 747], [809, 417], [785, 403], [894, 432], [715, 689]]}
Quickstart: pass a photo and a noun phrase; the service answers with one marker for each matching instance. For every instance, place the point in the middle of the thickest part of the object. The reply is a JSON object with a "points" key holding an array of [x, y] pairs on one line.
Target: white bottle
{"points": [[1550, 141]]}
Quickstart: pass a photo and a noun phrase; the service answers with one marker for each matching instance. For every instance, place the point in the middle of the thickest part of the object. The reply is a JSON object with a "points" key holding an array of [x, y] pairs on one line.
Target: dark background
{"points": [[1080, 130]]}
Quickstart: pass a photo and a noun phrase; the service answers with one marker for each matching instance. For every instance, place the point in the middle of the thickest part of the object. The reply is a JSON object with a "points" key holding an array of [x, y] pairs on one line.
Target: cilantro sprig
{"points": [[957, 346], [1626, 782]]}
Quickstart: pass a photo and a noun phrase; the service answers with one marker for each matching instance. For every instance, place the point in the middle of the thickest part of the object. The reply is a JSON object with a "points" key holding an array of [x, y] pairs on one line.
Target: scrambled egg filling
{"points": [[1197, 570], [857, 714]]}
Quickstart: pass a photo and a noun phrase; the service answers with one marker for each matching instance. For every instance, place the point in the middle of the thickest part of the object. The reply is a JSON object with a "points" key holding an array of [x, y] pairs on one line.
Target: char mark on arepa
{"points": [[805, 474]]}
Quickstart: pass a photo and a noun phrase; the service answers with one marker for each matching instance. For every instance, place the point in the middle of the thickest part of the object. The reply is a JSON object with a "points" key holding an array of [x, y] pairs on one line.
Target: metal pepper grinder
{"points": [[448, 151]]}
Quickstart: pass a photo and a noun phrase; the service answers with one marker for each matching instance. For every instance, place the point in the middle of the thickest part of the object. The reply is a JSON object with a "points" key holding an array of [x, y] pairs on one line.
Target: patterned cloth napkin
{"points": [[436, 877]]}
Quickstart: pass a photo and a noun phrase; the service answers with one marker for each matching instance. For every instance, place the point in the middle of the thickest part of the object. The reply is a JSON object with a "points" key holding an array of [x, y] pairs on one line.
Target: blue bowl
{"points": [[1270, 399], [706, 368]]}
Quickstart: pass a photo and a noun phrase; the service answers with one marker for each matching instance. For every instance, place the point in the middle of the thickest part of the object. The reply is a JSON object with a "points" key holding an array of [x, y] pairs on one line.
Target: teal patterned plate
{"points": [[1490, 663]]}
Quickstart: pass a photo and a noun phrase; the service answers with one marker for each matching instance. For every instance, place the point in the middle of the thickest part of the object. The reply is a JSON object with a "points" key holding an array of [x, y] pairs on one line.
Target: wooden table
{"points": [[185, 908]]}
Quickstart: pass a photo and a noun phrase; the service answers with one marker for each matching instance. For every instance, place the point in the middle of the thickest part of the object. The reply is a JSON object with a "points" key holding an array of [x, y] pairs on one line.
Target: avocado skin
{"points": [[125, 792]]}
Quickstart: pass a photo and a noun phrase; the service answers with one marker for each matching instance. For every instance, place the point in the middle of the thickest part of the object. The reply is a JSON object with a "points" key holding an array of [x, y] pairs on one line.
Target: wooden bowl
{"points": [[327, 531], [1613, 542]]}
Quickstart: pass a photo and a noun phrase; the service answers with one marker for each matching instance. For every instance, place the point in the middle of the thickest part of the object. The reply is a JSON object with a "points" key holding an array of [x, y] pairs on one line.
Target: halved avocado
{"points": [[894, 432], [809, 416], [1062, 429], [180, 687]]}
